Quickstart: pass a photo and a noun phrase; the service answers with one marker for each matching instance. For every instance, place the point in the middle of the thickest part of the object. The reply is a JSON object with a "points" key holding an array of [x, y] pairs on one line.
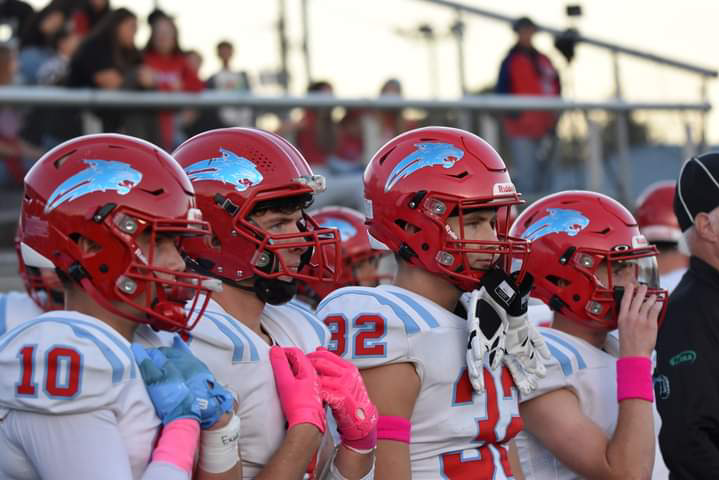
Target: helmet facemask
{"points": [[604, 274]]}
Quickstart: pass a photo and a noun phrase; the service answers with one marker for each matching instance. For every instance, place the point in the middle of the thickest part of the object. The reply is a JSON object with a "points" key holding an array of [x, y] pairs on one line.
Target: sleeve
{"points": [[61, 366], [560, 369], [368, 328], [688, 398], [79, 446]]}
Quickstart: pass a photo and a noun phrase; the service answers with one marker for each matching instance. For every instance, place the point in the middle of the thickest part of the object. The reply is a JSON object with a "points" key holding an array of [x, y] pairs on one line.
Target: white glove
{"points": [[525, 353], [488, 340]]}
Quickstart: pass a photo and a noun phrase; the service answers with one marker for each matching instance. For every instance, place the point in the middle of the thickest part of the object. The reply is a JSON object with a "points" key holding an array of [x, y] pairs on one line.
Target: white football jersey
{"points": [[16, 308], [591, 374], [239, 359], [539, 313], [65, 365], [456, 433]]}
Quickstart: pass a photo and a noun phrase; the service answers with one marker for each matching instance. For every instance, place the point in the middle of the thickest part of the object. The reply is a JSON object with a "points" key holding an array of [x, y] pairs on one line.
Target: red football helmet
{"points": [[233, 171], [42, 285], [355, 247], [572, 234], [655, 213], [424, 176], [109, 189]]}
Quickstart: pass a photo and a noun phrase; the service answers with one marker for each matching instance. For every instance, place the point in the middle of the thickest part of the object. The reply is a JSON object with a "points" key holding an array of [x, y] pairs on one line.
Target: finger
{"points": [[149, 371], [326, 368], [639, 297], [157, 357], [280, 365], [299, 363], [180, 344], [655, 311], [646, 306], [626, 300], [139, 353]]}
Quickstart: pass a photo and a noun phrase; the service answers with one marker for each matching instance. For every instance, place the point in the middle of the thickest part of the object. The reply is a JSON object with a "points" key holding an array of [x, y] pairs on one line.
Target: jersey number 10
{"points": [[60, 363]]}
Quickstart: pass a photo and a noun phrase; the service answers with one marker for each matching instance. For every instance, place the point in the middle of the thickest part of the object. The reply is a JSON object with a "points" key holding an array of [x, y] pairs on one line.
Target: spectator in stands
{"points": [[320, 140], [54, 70], [532, 135], [171, 72], [108, 59], [85, 18], [36, 41], [16, 154], [194, 60], [228, 79], [16, 14]]}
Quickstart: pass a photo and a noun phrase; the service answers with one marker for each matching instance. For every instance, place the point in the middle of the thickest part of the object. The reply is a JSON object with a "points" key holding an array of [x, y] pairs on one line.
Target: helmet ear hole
{"points": [[85, 244], [558, 281], [407, 227]]}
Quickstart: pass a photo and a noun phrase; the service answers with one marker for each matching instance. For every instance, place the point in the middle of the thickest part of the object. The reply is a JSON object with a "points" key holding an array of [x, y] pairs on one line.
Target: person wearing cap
{"points": [[532, 136], [659, 225], [686, 378]]}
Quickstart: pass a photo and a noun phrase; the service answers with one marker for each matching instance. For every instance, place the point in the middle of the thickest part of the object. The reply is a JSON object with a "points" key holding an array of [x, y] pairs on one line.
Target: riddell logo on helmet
{"points": [[426, 155], [500, 188]]}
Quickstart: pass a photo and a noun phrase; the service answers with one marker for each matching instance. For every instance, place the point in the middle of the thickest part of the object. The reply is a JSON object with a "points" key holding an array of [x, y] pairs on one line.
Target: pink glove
{"points": [[298, 387], [345, 393]]}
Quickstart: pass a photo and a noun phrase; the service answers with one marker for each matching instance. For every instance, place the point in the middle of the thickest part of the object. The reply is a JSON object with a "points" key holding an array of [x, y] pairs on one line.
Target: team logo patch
{"points": [[426, 155], [229, 168], [687, 356], [346, 229], [99, 176], [558, 220]]}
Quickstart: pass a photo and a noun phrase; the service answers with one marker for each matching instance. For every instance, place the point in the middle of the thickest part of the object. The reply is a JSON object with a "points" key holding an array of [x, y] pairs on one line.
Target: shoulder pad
{"points": [[61, 364], [301, 327], [219, 337]]}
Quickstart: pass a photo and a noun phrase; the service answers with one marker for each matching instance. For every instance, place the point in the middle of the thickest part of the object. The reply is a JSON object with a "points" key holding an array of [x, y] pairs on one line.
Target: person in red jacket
{"points": [[532, 136], [171, 72]]}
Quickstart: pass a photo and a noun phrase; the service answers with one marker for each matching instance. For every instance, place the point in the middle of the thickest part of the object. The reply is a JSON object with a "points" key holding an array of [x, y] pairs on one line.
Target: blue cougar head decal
{"points": [[229, 168], [558, 220], [99, 176], [346, 229], [426, 155]]}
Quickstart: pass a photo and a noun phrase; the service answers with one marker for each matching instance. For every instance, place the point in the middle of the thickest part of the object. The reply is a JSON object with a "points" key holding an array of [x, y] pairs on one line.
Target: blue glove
{"points": [[201, 382], [171, 397]]}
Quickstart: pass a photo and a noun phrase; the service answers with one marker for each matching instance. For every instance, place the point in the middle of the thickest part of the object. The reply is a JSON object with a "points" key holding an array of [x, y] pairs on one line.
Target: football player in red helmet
{"points": [[360, 262], [592, 415], [433, 195], [254, 187], [659, 225], [106, 213]]}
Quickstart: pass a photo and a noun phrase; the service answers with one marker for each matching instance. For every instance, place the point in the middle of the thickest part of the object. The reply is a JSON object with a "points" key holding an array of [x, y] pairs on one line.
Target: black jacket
{"points": [[687, 376]]}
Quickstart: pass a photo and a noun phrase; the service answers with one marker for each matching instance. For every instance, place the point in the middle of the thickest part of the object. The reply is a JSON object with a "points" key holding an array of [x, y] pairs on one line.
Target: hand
{"points": [[145, 76], [344, 391], [298, 387], [168, 392], [638, 322], [215, 399], [484, 338]]}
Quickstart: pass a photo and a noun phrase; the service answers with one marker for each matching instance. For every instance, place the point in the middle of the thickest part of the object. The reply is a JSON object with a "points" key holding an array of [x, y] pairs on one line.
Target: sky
{"points": [[358, 44]]}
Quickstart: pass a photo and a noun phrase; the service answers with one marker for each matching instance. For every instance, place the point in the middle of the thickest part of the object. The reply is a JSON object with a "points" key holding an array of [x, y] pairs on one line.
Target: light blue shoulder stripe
{"points": [[239, 347], [580, 360], [235, 324], [3, 313], [423, 312], [563, 360], [301, 305], [410, 326], [76, 325], [312, 320]]}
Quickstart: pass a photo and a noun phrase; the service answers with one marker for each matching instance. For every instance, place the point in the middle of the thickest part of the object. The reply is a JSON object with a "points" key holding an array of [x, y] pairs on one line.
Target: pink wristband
{"points": [[178, 443], [634, 379], [393, 428]]}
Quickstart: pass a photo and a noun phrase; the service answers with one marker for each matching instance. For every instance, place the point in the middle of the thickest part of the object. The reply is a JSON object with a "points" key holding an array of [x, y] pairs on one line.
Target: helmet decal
{"points": [[229, 168], [426, 155], [99, 176], [558, 220], [347, 231]]}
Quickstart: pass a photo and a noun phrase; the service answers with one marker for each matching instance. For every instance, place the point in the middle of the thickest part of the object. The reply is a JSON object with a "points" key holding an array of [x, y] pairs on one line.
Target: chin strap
{"points": [[274, 291]]}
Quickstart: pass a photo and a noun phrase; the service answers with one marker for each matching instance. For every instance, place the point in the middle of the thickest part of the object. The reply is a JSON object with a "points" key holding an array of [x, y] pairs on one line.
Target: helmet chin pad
{"points": [[274, 291]]}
